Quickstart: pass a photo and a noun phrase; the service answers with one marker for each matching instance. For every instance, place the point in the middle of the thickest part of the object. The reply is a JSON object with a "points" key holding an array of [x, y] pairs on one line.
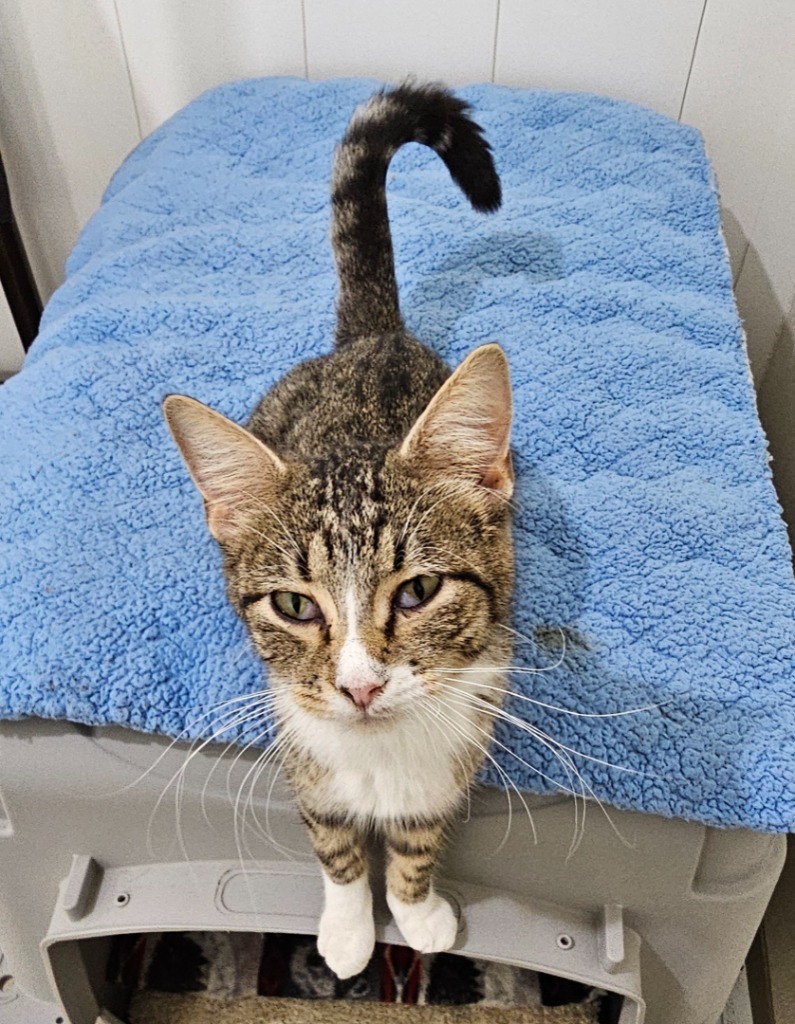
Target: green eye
{"points": [[296, 606], [417, 591]]}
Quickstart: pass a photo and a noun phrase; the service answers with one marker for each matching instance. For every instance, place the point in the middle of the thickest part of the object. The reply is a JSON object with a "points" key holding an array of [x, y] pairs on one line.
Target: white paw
{"points": [[346, 934], [345, 944], [428, 927]]}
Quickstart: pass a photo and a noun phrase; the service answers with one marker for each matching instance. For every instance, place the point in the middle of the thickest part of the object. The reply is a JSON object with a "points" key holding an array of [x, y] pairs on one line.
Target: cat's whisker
{"points": [[466, 487], [251, 712], [501, 771], [280, 750], [570, 790], [247, 787], [520, 723], [247, 647], [407, 522], [422, 718], [265, 536], [508, 669], [181, 737], [557, 707], [293, 744], [545, 738], [559, 751], [240, 820], [240, 843], [230, 721], [425, 514], [562, 753], [242, 750], [450, 557], [290, 728], [508, 502], [263, 706], [532, 641], [444, 485], [483, 710], [265, 507], [506, 781]]}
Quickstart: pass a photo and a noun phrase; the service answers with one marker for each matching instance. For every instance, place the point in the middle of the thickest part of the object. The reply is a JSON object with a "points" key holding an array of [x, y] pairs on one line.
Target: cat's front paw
{"points": [[346, 934], [429, 926], [345, 944]]}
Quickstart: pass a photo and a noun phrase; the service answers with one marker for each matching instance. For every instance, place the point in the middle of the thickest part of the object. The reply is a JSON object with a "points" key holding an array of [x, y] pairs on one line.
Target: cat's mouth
{"points": [[370, 716], [375, 713]]}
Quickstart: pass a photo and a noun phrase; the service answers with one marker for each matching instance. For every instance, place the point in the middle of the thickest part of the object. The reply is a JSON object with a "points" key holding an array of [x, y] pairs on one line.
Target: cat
{"points": [[365, 524]]}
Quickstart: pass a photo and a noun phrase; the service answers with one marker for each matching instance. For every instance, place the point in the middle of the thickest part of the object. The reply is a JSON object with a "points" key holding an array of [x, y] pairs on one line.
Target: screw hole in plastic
{"points": [[122, 899], [565, 942]]}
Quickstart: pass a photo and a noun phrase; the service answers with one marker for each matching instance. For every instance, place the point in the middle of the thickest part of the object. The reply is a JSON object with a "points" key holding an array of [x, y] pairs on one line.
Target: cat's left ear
{"points": [[465, 431], [234, 471]]}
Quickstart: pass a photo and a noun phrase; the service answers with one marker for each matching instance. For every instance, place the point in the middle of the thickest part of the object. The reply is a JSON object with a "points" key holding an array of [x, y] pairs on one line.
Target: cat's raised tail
{"points": [[428, 114]]}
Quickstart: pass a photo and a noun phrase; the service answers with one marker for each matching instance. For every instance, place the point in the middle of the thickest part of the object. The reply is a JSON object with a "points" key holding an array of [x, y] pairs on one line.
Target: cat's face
{"points": [[364, 593], [369, 577]]}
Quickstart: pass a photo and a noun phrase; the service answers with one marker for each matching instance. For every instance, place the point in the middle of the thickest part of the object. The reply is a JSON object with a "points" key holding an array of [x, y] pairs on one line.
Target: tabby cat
{"points": [[364, 521]]}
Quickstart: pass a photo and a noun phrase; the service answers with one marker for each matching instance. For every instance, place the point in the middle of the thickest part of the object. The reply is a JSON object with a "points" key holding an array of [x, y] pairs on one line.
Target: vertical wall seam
{"points": [[770, 170], [306, 45], [496, 37], [692, 60], [133, 99]]}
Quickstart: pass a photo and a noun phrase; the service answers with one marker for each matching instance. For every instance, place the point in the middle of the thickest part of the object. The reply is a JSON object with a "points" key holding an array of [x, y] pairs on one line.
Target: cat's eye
{"points": [[296, 606], [417, 591]]}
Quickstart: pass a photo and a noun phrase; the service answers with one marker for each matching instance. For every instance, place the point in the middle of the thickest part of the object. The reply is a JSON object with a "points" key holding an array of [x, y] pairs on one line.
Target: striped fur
{"points": [[359, 473], [368, 300]]}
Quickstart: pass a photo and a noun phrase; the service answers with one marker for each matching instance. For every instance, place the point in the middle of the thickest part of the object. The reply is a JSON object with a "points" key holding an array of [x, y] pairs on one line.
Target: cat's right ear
{"points": [[465, 431], [234, 471]]}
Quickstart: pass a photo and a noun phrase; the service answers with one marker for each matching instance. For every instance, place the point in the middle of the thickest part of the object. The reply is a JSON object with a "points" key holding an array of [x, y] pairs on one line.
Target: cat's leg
{"points": [[346, 935], [425, 919]]}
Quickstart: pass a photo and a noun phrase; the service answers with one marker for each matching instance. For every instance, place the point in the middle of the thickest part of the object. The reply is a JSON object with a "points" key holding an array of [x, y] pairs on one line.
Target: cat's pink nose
{"points": [[363, 696]]}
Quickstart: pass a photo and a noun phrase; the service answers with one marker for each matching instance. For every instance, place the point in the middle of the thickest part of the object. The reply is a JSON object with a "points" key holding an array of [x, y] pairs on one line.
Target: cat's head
{"points": [[366, 578]]}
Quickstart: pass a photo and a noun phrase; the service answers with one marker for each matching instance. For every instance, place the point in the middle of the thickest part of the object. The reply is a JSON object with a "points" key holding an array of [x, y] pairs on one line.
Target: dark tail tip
{"points": [[442, 122]]}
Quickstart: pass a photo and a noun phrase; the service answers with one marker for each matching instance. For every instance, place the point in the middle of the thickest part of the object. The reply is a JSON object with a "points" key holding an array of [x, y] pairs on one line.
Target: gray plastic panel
{"points": [[695, 895], [18, 1008], [282, 897]]}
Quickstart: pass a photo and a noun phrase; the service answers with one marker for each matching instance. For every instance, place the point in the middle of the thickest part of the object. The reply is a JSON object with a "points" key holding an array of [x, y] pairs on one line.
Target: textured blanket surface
{"points": [[653, 567]]}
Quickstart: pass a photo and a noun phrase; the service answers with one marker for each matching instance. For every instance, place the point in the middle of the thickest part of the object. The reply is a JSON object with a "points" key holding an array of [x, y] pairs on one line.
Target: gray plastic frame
{"points": [[665, 914]]}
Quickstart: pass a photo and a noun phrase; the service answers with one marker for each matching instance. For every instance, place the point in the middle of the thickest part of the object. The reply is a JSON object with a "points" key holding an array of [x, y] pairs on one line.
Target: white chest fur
{"points": [[401, 769], [409, 765], [392, 771]]}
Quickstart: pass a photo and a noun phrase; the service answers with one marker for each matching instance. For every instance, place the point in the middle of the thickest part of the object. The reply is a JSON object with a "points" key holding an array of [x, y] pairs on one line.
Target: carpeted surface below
{"points": [[171, 1008], [239, 978]]}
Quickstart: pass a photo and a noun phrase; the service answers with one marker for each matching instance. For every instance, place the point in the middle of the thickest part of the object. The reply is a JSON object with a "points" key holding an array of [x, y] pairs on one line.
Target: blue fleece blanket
{"points": [[653, 567]]}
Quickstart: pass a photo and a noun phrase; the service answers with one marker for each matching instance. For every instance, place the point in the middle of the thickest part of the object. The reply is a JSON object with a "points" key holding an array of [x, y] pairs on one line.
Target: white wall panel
{"points": [[742, 96], [765, 287], [451, 40], [628, 49], [66, 120], [177, 49], [738, 95]]}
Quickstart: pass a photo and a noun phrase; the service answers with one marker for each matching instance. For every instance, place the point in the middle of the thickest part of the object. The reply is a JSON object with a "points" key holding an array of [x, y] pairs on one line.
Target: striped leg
{"points": [[426, 920], [346, 934]]}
